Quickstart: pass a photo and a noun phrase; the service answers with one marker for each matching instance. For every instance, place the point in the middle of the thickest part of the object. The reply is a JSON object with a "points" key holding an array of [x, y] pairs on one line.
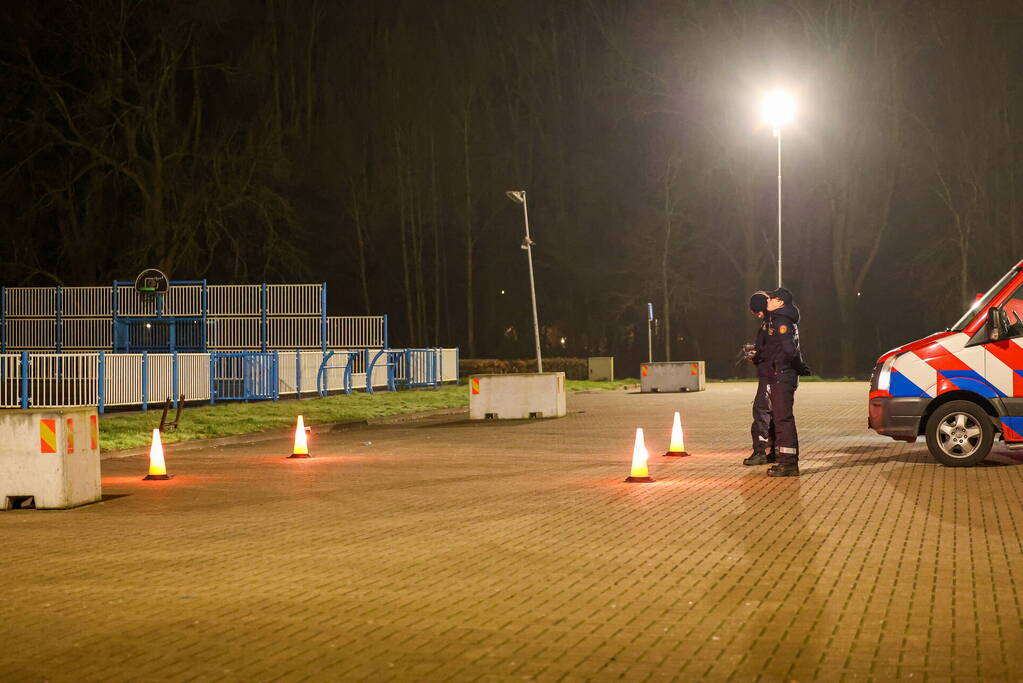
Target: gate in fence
{"points": [[242, 376], [416, 367]]}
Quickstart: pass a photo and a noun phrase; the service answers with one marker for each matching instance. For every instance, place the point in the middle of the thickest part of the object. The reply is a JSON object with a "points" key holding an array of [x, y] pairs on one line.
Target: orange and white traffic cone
{"points": [[640, 474], [677, 446], [301, 448], [157, 466]]}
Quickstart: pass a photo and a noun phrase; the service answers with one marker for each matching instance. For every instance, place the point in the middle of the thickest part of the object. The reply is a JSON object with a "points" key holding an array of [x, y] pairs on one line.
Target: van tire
{"points": [[959, 434]]}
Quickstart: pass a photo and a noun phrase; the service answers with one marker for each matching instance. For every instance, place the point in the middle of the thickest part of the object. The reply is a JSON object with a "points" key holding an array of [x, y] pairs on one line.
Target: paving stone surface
{"points": [[450, 550]]}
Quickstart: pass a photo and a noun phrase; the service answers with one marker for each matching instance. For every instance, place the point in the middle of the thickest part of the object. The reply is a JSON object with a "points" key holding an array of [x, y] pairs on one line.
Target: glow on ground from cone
{"points": [[301, 446], [157, 466], [639, 456], [677, 442]]}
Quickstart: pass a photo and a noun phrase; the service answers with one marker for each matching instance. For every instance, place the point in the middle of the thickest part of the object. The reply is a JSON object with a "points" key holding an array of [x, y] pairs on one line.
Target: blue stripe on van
{"points": [[901, 386], [969, 380]]}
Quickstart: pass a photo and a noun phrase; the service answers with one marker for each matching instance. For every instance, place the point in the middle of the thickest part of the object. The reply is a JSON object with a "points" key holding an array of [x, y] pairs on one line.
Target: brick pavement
{"points": [[449, 550]]}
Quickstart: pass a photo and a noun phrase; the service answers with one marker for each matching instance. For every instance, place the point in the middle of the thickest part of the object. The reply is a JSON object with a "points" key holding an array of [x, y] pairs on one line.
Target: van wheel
{"points": [[959, 434]]}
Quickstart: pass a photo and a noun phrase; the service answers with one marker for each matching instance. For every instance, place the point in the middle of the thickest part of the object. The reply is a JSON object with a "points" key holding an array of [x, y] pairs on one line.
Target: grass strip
{"points": [[122, 430], [586, 385]]}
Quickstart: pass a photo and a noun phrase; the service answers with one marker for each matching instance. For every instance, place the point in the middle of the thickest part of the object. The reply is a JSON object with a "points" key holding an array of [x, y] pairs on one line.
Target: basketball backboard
{"points": [[151, 281]]}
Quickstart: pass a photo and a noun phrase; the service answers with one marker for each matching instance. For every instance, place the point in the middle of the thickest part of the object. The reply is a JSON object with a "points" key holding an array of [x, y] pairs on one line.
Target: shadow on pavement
{"points": [[477, 424], [865, 456], [112, 496], [1003, 458], [491, 424], [782, 560]]}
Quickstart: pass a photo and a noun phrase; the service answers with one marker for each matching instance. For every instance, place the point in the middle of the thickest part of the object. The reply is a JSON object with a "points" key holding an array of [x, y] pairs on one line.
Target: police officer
{"points": [[784, 363], [762, 429]]}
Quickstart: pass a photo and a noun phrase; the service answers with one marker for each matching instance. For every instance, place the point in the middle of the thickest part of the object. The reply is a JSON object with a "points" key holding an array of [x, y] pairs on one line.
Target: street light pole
{"points": [[519, 196], [776, 110], [777, 134]]}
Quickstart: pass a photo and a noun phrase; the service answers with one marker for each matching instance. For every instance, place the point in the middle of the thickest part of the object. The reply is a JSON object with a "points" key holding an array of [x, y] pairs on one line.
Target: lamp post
{"points": [[519, 197], [776, 110]]}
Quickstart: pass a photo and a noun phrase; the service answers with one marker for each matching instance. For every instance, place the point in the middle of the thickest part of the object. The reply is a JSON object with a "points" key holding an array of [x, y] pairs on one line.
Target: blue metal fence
{"points": [[192, 316], [417, 367], [137, 379], [243, 376]]}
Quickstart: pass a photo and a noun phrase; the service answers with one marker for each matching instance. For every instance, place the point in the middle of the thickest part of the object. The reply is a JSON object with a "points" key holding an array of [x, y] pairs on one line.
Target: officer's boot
{"points": [[759, 457], [785, 469]]}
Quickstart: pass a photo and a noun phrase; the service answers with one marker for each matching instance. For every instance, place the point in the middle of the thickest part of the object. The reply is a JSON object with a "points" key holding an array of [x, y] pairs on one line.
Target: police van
{"points": [[959, 388]]}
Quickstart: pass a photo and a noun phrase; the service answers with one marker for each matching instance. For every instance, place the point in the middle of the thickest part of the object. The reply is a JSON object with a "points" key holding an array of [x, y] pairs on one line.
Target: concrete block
{"points": [[601, 369], [51, 455], [517, 396], [687, 375]]}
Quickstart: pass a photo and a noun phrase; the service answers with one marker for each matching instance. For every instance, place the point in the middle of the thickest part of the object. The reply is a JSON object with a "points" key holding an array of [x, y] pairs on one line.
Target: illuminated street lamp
{"points": [[776, 110], [519, 197]]}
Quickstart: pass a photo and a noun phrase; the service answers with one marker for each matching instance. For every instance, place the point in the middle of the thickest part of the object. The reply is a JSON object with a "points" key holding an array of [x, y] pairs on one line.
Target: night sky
{"points": [[370, 145]]}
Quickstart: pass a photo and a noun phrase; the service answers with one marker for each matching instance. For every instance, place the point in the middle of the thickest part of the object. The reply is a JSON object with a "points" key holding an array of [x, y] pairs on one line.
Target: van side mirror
{"points": [[996, 324]]}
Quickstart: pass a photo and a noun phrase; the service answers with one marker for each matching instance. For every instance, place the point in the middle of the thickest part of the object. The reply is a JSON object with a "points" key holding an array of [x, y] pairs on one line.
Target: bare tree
{"points": [[973, 157], [861, 133]]}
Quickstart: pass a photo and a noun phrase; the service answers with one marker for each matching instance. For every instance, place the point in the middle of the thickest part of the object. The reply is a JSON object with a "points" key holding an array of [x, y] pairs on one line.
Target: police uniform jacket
{"points": [[781, 342]]}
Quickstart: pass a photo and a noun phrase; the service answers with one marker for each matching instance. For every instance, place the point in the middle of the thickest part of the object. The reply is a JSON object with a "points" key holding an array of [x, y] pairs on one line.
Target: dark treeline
{"points": [[370, 145]]}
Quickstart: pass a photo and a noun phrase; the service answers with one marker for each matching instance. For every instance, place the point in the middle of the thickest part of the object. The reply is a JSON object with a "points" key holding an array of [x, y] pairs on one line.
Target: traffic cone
{"points": [[157, 467], [678, 445], [640, 474], [301, 449]]}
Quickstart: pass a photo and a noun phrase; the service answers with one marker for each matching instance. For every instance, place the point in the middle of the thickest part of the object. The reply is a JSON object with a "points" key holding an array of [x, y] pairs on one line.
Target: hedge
{"points": [[574, 368]]}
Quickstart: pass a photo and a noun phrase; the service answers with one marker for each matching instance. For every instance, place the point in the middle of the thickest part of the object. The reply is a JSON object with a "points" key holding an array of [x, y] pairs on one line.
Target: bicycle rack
{"points": [[321, 374], [388, 363]]}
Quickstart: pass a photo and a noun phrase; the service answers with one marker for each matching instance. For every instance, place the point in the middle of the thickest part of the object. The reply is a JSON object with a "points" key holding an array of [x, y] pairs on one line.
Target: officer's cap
{"points": [[758, 302], [781, 293]]}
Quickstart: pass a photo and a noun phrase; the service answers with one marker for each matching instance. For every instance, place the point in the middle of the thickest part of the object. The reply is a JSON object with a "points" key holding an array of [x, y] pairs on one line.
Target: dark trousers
{"points": [[762, 429], [774, 424], [783, 395]]}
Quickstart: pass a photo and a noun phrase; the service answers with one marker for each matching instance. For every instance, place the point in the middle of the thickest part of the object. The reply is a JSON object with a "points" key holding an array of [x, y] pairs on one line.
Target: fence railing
{"points": [[50, 380], [122, 380], [38, 302], [449, 365], [63, 379], [85, 333], [85, 302], [181, 300], [10, 380], [294, 299], [369, 331], [204, 317]]}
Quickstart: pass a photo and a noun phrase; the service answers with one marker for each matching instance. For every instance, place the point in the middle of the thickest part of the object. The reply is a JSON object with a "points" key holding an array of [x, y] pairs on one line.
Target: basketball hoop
{"points": [[151, 282]]}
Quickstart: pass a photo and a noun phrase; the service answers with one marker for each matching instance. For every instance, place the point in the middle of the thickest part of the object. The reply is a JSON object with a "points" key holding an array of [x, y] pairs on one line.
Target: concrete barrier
{"points": [[49, 458], [517, 396], [601, 369], [687, 375]]}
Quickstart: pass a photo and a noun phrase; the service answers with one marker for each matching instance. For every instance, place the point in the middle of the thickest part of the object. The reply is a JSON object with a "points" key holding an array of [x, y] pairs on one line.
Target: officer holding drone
{"points": [[779, 364]]}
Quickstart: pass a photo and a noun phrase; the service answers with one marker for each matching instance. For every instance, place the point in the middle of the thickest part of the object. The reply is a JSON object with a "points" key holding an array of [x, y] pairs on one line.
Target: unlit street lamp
{"points": [[519, 197], [776, 110]]}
